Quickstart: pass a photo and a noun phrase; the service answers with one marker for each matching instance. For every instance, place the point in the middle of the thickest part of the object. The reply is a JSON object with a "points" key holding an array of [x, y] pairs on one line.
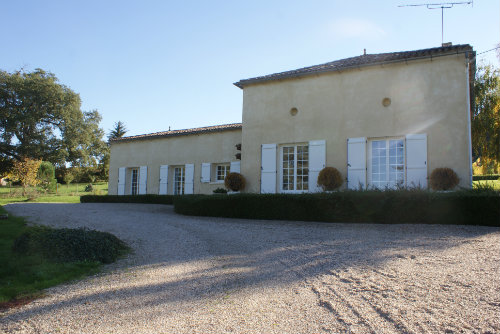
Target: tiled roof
{"points": [[360, 61], [184, 132]]}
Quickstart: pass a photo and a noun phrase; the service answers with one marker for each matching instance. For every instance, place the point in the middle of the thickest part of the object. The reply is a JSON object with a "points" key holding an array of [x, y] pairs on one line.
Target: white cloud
{"points": [[355, 28]]}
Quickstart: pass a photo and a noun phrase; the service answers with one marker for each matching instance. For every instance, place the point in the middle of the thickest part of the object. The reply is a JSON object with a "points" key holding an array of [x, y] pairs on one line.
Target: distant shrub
{"points": [[489, 177], [443, 179], [149, 199], [89, 188], [70, 245], [46, 175], [220, 191], [234, 181], [329, 179]]}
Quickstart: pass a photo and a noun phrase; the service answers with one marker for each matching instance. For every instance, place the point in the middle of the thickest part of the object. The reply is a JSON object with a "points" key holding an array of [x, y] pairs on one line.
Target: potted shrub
{"points": [[443, 179], [329, 179]]}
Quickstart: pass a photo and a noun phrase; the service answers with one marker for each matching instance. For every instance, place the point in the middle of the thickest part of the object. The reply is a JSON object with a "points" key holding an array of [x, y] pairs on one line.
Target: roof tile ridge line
{"points": [[180, 132], [281, 75], [401, 54]]}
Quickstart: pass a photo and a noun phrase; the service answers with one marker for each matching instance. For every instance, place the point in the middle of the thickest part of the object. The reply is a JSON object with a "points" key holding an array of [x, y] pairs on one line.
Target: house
{"points": [[189, 161], [383, 120]]}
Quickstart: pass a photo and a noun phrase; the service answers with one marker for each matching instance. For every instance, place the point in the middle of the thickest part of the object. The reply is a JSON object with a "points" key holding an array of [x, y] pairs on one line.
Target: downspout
{"points": [[468, 110]]}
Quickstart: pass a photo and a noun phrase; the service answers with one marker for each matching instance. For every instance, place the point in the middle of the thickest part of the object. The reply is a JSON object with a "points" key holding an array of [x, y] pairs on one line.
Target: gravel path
{"points": [[211, 275]]}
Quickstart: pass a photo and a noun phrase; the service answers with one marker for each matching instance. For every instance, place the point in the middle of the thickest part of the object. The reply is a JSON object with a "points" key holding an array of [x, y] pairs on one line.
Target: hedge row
{"points": [[472, 207], [486, 177], [152, 199], [70, 245]]}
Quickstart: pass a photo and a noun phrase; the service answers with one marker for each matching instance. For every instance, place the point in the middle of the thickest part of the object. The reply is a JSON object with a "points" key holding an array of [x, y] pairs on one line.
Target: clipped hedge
{"points": [[489, 177], [70, 245], [467, 207], [151, 199]]}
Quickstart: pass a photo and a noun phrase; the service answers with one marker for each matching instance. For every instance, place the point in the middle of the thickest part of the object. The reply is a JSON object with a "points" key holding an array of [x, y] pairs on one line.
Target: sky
{"points": [[156, 65]]}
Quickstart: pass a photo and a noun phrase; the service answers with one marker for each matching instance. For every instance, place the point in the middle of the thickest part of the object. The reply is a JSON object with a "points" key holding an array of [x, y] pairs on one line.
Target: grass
{"points": [[495, 184], [65, 194], [24, 276]]}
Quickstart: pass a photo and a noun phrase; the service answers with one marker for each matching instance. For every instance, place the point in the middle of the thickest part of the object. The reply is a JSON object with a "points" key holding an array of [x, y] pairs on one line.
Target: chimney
{"points": [[446, 44], [364, 52]]}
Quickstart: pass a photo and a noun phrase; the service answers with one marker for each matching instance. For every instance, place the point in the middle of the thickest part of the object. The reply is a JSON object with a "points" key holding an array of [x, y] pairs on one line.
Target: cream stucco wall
{"points": [[216, 147], [427, 96]]}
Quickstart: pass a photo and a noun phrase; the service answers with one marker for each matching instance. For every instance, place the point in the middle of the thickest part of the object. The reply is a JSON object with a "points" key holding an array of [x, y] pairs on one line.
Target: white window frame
{"points": [[227, 168], [306, 183], [369, 161], [179, 183], [134, 186]]}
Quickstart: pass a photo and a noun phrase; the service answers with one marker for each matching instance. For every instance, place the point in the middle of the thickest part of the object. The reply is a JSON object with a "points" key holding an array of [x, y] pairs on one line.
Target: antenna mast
{"points": [[443, 6]]}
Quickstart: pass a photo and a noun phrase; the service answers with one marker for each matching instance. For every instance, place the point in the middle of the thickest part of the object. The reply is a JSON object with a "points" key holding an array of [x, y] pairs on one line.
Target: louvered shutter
{"points": [[205, 172], [143, 179], [121, 181], [189, 179], [356, 163], [163, 180], [235, 167], [416, 160], [317, 161], [268, 169]]}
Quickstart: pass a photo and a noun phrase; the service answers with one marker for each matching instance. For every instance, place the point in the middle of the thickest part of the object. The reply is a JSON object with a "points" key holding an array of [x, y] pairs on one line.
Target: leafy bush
{"points": [[467, 207], [46, 175], [443, 179], [489, 177], [329, 179], [89, 188], [150, 198], [234, 181], [70, 245], [220, 191]]}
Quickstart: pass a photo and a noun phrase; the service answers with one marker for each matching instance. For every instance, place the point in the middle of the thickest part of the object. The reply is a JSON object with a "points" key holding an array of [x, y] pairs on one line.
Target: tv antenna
{"points": [[443, 6]]}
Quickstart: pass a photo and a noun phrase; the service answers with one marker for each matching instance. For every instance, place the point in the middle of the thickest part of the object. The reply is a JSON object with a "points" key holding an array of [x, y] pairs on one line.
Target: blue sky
{"points": [[160, 64]]}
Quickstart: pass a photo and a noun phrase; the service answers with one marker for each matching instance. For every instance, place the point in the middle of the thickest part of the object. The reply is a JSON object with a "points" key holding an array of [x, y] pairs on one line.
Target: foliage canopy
{"points": [[118, 131], [486, 117], [41, 119]]}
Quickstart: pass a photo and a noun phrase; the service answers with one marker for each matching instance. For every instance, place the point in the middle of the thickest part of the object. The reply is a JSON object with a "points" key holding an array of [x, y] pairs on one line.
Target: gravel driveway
{"points": [[213, 275]]}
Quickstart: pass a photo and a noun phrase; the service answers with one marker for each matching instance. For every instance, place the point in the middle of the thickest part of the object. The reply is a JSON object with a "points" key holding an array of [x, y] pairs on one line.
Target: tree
{"points": [[118, 131], [41, 119], [26, 171], [486, 118], [47, 176]]}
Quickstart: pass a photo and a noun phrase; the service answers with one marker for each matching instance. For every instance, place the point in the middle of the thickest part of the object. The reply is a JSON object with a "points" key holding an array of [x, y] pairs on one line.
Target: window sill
{"points": [[217, 182], [294, 191]]}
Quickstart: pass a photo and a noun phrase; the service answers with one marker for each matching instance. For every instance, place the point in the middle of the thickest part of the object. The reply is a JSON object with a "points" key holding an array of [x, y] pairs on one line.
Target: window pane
{"points": [[295, 167], [179, 180]]}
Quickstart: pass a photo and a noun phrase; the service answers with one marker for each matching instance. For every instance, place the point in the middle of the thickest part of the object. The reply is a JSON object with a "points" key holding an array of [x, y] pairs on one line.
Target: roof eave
{"points": [[174, 134], [246, 82]]}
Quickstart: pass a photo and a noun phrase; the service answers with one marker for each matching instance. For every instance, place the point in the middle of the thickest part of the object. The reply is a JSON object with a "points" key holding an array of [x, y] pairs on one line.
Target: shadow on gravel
{"points": [[228, 255]]}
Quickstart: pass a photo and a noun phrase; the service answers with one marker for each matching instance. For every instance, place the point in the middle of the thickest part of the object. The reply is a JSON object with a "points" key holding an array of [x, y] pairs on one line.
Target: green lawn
{"points": [[23, 276], [65, 194], [495, 184]]}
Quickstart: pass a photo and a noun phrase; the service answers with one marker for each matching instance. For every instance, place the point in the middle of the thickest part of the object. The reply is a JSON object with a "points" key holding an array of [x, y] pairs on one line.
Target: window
{"points": [[179, 178], [220, 172], [386, 166], [294, 168], [134, 183]]}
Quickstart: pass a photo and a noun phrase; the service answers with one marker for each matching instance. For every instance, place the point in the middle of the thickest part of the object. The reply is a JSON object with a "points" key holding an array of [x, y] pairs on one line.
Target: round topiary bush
{"points": [[329, 178], [234, 181], [443, 179]]}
